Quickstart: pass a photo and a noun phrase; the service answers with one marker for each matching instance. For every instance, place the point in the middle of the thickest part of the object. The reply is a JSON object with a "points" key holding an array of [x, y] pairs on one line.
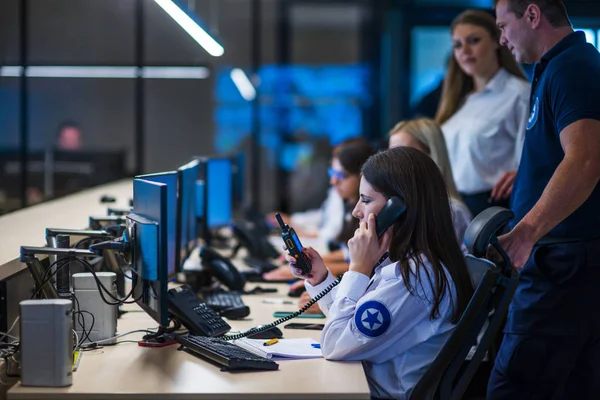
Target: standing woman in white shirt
{"points": [[483, 112], [395, 316]]}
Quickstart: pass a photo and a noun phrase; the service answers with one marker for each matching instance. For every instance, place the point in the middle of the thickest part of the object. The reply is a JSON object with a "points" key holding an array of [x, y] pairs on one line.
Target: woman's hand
{"points": [[296, 285], [365, 248], [282, 273], [305, 298], [504, 186], [318, 272]]}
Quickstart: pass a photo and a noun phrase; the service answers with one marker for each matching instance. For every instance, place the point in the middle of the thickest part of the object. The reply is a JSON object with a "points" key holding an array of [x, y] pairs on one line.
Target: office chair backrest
{"points": [[484, 228], [494, 288]]}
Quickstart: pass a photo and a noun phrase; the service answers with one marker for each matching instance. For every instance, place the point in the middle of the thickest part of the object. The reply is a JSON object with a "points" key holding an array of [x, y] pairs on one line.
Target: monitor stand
{"points": [[164, 336]]}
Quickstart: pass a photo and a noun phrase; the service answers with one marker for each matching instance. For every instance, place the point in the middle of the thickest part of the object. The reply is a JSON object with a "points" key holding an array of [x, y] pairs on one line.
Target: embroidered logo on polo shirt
{"points": [[535, 110], [372, 319]]}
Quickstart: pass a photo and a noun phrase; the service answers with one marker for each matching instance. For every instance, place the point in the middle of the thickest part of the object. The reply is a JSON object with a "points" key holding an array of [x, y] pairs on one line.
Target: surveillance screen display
{"points": [[219, 190]]}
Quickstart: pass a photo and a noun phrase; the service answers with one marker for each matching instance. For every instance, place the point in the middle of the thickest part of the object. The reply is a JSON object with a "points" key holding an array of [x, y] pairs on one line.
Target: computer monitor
{"points": [[187, 226], [217, 199], [171, 180], [148, 232]]}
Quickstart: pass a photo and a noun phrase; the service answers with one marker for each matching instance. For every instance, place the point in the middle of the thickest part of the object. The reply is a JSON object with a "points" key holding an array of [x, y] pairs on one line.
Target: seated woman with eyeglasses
{"points": [[344, 176]]}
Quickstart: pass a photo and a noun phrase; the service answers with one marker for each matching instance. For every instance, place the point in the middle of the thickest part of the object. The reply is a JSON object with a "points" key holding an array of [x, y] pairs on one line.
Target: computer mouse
{"points": [[270, 333]]}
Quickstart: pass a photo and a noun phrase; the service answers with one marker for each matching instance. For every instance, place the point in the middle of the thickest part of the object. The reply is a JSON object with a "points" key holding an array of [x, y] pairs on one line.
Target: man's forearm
{"points": [[570, 186]]}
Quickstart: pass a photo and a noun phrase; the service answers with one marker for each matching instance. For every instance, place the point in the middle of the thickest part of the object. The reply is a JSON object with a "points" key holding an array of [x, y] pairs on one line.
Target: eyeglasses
{"points": [[336, 174]]}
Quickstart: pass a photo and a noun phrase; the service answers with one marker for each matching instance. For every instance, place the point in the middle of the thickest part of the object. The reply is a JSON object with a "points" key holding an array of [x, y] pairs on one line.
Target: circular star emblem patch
{"points": [[533, 116], [372, 318]]}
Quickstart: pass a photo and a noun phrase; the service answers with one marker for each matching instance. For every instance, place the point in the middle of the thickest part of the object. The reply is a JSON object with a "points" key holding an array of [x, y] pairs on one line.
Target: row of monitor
{"points": [[166, 210]]}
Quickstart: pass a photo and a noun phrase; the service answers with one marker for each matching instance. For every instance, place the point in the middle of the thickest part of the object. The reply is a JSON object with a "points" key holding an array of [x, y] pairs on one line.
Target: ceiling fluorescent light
{"points": [[175, 72], [80, 72], [106, 72], [191, 27], [10, 71], [243, 84]]}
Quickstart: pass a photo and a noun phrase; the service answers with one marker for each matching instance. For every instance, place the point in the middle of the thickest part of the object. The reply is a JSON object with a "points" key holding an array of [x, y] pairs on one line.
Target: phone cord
{"points": [[287, 317], [297, 313]]}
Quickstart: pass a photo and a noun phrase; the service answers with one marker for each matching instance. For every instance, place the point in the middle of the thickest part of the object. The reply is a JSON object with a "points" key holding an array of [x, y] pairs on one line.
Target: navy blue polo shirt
{"points": [[565, 89]]}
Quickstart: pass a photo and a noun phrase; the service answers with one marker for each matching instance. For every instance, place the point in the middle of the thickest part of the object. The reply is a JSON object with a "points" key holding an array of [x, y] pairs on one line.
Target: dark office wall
{"points": [[179, 120], [178, 115]]}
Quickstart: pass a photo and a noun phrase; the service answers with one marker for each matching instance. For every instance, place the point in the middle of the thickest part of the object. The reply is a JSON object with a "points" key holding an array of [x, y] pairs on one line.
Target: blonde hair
{"points": [[430, 136], [457, 84]]}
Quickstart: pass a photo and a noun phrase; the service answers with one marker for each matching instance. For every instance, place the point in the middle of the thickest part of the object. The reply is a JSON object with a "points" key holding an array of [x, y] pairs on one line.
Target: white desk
{"points": [[127, 371], [27, 227]]}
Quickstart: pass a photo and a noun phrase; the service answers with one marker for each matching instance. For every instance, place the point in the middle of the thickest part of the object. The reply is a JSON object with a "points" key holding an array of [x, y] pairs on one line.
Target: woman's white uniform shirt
{"points": [[326, 222], [485, 136], [378, 321]]}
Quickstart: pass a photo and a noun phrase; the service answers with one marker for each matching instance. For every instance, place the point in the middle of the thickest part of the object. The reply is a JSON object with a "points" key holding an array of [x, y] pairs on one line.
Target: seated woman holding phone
{"points": [[405, 290], [423, 134]]}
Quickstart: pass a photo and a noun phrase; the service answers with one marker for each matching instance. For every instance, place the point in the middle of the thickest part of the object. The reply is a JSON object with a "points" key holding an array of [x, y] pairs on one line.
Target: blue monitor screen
{"points": [[170, 179], [150, 247], [219, 192]]}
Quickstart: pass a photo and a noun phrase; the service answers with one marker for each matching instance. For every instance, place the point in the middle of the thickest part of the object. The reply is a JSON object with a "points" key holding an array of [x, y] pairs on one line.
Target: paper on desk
{"points": [[284, 349]]}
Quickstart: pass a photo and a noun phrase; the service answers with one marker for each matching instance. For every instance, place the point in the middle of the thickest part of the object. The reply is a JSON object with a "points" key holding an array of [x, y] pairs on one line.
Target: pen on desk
{"points": [[270, 342], [316, 345], [277, 301]]}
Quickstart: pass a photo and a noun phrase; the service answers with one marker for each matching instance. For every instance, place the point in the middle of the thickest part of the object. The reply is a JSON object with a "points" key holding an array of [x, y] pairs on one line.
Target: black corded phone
{"points": [[222, 269], [388, 215], [194, 314], [254, 239]]}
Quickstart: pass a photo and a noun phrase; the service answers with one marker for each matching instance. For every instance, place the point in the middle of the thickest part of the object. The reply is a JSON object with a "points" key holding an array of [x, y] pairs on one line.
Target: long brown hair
{"points": [[457, 84], [430, 135], [424, 229]]}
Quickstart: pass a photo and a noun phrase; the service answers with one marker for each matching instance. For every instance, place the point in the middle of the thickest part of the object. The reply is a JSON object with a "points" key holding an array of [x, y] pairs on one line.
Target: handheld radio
{"points": [[294, 247]]}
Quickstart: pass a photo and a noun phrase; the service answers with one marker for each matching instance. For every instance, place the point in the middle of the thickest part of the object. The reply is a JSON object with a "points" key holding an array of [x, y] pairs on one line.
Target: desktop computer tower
{"points": [[46, 343], [88, 299]]}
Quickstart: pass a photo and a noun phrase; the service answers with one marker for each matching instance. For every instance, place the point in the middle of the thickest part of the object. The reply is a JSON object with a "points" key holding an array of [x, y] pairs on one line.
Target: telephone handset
{"points": [[387, 216], [222, 269]]}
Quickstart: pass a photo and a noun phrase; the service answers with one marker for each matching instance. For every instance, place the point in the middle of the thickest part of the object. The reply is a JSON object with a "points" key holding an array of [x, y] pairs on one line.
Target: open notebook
{"points": [[284, 349]]}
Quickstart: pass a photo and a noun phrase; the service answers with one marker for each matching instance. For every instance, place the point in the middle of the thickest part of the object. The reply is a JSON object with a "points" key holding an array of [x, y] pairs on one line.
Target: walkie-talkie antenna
{"points": [[282, 224]]}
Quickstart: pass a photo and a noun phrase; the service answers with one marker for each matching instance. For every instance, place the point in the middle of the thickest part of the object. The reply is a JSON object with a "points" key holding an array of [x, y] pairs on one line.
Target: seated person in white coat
{"points": [[395, 315]]}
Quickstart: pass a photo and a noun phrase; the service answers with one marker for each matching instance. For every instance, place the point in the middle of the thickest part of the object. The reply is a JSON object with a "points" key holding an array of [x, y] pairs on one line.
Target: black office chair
{"points": [[494, 288]]}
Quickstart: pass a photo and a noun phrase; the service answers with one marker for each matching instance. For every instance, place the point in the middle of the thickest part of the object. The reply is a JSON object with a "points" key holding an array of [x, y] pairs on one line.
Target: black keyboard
{"points": [[227, 304], [225, 353]]}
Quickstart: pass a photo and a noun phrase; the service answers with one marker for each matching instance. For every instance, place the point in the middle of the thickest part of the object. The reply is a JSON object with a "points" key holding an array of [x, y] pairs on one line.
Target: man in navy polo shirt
{"points": [[551, 346]]}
